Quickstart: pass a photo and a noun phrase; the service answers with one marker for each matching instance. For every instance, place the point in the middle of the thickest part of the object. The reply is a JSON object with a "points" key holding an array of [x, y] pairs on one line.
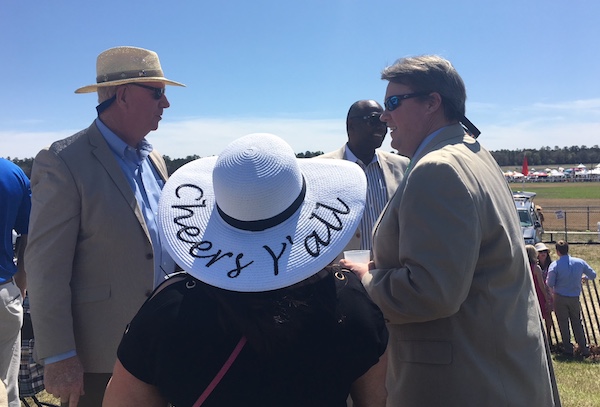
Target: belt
{"points": [[7, 281]]}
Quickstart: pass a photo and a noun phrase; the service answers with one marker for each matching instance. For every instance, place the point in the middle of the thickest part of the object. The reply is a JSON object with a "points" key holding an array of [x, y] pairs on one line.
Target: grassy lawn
{"points": [[560, 190], [578, 382]]}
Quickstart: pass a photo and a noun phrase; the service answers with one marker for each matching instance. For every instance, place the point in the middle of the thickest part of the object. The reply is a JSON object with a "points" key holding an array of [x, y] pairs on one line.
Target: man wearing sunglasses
{"points": [[384, 170], [94, 252], [449, 270]]}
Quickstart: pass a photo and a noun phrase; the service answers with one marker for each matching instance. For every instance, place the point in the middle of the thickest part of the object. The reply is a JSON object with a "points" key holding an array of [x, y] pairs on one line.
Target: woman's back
{"points": [[178, 343]]}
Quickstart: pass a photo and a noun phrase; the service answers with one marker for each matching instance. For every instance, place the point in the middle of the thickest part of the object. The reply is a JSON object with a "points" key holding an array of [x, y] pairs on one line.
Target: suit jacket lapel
{"points": [[390, 171], [106, 158]]}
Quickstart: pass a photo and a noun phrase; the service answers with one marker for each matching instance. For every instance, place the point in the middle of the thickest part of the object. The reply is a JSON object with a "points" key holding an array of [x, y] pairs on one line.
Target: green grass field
{"points": [[560, 190]]}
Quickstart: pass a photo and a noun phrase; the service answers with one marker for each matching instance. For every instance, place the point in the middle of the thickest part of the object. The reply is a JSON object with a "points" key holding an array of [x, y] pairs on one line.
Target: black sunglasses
{"points": [[393, 102], [372, 119], [158, 92]]}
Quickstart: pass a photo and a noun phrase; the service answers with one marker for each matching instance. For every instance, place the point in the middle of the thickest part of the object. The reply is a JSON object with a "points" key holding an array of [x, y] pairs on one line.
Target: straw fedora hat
{"points": [[120, 65], [256, 218]]}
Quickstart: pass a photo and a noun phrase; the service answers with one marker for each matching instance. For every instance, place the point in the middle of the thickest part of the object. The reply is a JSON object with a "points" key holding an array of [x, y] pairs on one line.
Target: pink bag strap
{"points": [[219, 376]]}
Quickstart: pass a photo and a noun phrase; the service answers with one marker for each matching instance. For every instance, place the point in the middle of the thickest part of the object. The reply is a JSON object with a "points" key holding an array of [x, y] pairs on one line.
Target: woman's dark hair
{"points": [[546, 263], [271, 320]]}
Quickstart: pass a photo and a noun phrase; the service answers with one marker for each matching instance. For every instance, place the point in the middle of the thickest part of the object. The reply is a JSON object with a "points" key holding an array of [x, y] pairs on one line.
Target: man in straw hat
{"points": [[255, 229], [94, 253]]}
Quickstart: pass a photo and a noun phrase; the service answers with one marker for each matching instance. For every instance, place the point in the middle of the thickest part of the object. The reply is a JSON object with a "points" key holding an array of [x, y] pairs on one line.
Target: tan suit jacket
{"points": [[392, 166], [89, 257], [453, 282]]}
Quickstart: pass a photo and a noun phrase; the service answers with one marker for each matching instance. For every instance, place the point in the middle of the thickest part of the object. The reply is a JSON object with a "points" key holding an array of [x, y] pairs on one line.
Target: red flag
{"points": [[525, 169]]}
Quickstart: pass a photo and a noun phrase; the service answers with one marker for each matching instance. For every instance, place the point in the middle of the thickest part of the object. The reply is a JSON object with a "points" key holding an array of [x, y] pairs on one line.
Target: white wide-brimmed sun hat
{"points": [[256, 218], [121, 65]]}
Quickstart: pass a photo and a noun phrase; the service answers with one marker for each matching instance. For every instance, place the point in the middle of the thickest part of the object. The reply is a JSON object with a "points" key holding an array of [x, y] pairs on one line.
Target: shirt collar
{"points": [[349, 155], [426, 141], [122, 149]]}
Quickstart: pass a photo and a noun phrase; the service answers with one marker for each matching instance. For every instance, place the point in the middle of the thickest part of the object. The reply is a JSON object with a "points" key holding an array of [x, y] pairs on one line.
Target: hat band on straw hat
{"points": [[259, 225], [129, 74]]}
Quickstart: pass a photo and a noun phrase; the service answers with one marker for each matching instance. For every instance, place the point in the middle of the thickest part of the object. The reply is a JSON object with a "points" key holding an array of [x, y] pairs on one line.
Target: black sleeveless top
{"points": [[177, 344]]}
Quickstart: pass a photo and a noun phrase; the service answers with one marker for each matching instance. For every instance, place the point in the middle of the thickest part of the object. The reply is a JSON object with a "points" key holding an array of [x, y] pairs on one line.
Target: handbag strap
{"points": [[219, 376]]}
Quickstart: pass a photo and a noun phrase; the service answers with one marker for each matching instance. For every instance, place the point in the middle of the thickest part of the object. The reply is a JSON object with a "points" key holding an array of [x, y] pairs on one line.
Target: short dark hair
{"points": [[431, 73], [562, 247]]}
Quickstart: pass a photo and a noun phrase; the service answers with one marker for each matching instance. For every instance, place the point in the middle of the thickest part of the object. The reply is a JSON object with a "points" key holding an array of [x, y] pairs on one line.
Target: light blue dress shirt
{"points": [[146, 184], [564, 275]]}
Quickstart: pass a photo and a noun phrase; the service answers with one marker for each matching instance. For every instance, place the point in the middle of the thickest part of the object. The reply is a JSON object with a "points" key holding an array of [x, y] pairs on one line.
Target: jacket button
{"points": [[148, 293], [357, 234], [150, 256]]}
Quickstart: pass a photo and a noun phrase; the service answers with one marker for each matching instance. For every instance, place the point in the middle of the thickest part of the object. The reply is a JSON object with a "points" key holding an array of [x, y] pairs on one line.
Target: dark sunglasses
{"points": [[371, 119], [393, 102], [158, 92]]}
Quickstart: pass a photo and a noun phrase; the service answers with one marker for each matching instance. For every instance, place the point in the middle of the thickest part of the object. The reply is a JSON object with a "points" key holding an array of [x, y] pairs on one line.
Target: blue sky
{"points": [[293, 68]]}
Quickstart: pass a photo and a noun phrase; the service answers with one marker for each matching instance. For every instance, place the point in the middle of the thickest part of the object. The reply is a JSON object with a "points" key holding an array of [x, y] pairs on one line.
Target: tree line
{"points": [[545, 156]]}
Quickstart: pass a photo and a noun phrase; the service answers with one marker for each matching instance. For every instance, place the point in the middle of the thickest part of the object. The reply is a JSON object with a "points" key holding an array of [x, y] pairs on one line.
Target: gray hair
{"points": [[106, 92], [431, 73]]}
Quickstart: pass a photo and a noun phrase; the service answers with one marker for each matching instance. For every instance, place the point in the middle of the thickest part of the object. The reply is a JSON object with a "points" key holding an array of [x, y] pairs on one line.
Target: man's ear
{"points": [[122, 95], [434, 101]]}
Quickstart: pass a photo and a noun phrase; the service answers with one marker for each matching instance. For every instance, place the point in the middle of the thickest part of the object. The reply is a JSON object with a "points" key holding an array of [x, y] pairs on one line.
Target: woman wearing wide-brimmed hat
{"points": [[260, 318]]}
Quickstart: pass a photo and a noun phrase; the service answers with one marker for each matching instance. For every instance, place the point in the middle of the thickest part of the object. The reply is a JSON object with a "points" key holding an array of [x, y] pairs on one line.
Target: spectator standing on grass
{"points": [[544, 258], [94, 254], [565, 277], [15, 205], [541, 289], [384, 170], [449, 269], [544, 261]]}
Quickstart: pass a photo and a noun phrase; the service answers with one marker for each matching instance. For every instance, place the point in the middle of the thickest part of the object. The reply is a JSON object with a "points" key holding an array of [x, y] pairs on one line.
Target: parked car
{"points": [[531, 224]]}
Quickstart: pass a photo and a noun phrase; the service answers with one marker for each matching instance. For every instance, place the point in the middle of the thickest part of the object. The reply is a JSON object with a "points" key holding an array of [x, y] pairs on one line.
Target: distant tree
{"points": [[309, 154], [174, 164], [25, 164]]}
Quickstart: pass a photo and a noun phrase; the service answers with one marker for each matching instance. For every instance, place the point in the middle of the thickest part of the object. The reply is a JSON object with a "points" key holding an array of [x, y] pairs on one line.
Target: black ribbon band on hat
{"points": [[259, 225], [129, 74]]}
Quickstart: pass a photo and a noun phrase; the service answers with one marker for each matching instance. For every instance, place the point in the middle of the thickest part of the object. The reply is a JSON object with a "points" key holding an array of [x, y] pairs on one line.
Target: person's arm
{"points": [[125, 390], [20, 276], [539, 281], [551, 278], [419, 275], [369, 390], [589, 272]]}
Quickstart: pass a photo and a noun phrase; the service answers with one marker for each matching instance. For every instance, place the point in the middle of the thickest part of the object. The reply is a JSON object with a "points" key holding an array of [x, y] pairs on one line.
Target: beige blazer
{"points": [[453, 282], [89, 257], [392, 166]]}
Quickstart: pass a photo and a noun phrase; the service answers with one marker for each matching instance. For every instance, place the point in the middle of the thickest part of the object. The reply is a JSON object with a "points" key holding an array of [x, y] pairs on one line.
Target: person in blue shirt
{"points": [[565, 277], [15, 205]]}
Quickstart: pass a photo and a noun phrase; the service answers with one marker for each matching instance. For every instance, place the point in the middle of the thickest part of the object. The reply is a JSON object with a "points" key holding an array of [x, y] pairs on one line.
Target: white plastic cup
{"points": [[358, 256]]}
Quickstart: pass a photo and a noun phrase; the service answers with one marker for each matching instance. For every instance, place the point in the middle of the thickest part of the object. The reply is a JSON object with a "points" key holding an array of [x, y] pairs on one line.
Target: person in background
{"points": [[384, 170], [15, 206], [260, 319], [544, 258], [464, 326], [541, 289], [544, 261], [565, 277], [94, 252]]}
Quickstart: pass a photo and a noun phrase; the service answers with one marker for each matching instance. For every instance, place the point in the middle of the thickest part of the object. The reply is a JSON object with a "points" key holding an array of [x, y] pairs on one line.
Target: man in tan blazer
{"points": [[384, 170], [94, 254], [450, 271]]}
